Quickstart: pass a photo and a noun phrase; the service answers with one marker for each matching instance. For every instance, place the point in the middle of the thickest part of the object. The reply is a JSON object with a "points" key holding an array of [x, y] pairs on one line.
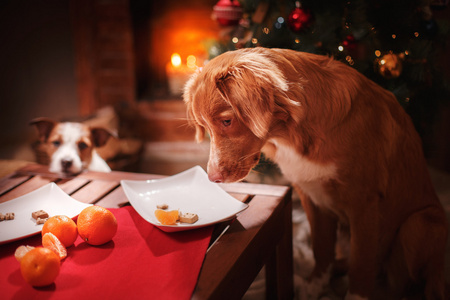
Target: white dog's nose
{"points": [[66, 164]]}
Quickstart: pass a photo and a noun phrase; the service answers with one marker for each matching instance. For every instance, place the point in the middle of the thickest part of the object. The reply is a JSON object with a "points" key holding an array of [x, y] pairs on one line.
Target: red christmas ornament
{"points": [[300, 18], [349, 43], [228, 12]]}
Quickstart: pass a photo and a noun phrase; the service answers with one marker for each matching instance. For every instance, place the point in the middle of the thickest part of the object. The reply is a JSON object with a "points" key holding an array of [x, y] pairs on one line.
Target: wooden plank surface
{"points": [[10, 182], [70, 186], [119, 175], [114, 199], [241, 197], [254, 188], [37, 169], [25, 188], [95, 191]]}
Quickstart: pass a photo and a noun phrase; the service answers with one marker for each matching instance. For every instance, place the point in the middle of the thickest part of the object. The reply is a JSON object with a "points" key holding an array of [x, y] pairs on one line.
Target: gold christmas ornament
{"points": [[390, 65]]}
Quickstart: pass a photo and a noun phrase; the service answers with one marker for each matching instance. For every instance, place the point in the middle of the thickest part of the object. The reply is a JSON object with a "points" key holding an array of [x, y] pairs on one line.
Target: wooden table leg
{"points": [[279, 267]]}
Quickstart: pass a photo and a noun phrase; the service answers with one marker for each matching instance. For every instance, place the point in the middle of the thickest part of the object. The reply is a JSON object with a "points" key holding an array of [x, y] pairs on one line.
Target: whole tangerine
{"points": [[40, 266], [96, 225], [63, 227]]}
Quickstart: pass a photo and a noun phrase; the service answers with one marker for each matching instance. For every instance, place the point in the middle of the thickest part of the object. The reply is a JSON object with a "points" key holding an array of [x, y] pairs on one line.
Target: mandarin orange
{"points": [[63, 227], [40, 266], [167, 217], [50, 241], [96, 225]]}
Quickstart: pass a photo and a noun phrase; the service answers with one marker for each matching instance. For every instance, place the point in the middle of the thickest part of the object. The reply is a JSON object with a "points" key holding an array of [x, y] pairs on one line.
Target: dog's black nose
{"points": [[66, 164]]}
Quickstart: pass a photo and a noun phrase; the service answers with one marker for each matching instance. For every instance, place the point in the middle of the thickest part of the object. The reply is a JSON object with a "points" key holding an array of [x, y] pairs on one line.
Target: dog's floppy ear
{"points": [[249, 88], [187, 97], [100, 136], [44, 126], [199, 130]]}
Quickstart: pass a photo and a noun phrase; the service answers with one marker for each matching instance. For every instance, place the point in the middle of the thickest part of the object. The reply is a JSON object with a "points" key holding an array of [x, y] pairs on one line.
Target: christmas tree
{"points": [[398, 44]]}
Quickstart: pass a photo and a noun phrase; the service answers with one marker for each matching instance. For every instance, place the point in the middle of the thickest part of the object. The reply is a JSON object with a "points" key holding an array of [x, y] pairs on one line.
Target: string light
{"points": [[254, 41], [377, 53], [279, 23], [297, 41], [235, 40], [394, 36], [350, 60], [191, 62], [341, 48], [214, 50], [266, 30]]}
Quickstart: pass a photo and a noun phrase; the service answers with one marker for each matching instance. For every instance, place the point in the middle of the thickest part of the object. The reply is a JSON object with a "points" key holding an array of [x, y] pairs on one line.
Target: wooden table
{"points": [[261, 235]]}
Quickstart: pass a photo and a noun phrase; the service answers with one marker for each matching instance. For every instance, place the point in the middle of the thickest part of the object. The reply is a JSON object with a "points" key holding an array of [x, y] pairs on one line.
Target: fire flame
{"points": [[176, 60]]}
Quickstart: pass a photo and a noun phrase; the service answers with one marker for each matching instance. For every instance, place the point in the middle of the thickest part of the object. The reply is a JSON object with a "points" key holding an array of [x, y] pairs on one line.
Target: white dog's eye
{"points": [[56, 143], [82, 145], [226, 123]]}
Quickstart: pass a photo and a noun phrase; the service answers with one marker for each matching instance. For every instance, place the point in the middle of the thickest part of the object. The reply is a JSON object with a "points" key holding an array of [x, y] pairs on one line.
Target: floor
{"points": [[169, 158]]}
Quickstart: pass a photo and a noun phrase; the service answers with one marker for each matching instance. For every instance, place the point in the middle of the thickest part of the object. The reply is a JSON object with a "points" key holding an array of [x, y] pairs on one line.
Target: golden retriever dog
{"points": [[350, 151]]}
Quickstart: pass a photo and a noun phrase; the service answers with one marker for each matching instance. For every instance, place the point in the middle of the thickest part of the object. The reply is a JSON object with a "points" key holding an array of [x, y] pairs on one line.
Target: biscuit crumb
{"points": [[162, 206], [41, 220]]}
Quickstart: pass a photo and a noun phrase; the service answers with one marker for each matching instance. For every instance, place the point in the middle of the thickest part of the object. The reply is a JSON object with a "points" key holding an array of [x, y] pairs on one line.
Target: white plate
{"points": [[189, 192], [49, 198]]}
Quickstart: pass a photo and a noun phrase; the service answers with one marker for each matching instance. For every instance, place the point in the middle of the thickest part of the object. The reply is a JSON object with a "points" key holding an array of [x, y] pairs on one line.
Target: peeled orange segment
{"points": [[21, 251], [50, 241], [167, 217]]}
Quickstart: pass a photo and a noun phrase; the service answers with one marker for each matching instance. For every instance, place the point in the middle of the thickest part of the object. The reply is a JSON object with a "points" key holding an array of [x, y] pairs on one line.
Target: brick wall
{"points": [[104, 53]]}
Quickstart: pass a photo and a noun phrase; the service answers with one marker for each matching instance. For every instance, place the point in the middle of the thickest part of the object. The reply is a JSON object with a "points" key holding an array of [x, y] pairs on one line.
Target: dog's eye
{"points": [[226, 123], [82, 145], [56, 143]]}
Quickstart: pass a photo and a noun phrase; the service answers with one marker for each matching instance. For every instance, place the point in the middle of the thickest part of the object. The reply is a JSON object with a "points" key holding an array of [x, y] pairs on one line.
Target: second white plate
{"points": [[189, 192]]}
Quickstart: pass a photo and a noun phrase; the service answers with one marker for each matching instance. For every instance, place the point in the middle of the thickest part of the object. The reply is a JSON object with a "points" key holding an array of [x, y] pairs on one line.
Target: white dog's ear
{"points": [[100, 136], [44, 126]]}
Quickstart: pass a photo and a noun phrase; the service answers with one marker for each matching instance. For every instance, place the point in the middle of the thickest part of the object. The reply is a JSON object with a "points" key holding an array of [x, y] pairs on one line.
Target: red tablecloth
{"points": [[142, 262]]}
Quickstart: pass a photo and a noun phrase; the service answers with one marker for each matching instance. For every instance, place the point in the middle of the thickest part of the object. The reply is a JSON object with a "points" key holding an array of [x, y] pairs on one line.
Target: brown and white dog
{"points": [[348, 148], [70, 146]]}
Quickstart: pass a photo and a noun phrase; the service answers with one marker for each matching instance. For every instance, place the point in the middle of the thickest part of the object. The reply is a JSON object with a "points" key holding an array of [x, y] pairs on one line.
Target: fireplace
{"points": [[124, 48], [178, 32]]}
